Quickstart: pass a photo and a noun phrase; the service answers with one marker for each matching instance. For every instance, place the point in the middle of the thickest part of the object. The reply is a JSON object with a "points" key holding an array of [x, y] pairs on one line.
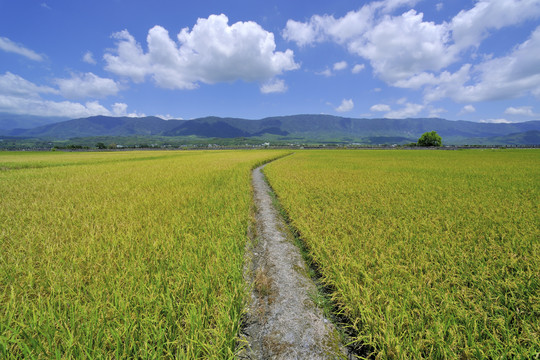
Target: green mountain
{"points": [[295, 128], [12, 121]]}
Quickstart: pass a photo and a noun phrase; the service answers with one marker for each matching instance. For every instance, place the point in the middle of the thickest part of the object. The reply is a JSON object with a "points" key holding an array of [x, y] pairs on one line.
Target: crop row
{"points": [[124, 255], [429, 254]]}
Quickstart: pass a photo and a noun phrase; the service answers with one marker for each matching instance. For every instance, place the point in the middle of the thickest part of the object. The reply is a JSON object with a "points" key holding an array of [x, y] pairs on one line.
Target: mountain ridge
{"points": [[318, 128]]}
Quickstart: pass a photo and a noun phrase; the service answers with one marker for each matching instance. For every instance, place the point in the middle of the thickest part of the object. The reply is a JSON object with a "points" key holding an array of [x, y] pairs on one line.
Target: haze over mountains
{"points": [[306, 128]]}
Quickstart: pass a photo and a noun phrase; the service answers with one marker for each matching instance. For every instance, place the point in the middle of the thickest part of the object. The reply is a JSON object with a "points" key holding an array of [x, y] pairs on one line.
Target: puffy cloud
{"points": [[213, 51], [88, 57], [130, 60], [403, 46], [357, 68], [342, 30], [467, 109], [508, 76], [342, 65], [380, 108], [408, 111], [10, 46], [20, 96], [326, 72], [274, 86], [87, 85], [470, 27], [41, 107], [407, 51], [522, 111], [14, 85], [346, 105]]}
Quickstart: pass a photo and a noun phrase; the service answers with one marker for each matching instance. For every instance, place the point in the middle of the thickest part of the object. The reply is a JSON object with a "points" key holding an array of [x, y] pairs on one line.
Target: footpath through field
{"points": [[283, 321]]}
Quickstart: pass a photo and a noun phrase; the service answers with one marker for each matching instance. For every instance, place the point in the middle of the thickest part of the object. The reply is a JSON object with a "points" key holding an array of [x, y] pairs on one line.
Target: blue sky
{"points": [[470, 60]]}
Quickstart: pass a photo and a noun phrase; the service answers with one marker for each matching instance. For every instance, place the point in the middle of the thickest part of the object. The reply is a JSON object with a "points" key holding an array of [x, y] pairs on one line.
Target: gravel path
{"points": [[282, 321]]}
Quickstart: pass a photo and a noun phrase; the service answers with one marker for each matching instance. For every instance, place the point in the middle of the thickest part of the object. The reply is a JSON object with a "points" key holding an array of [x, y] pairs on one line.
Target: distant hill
{"points": [[99, 126], [12, 121], [308, 128]]}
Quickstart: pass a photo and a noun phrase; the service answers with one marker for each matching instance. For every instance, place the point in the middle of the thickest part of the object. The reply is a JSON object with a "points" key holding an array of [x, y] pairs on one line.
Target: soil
{"points": [[282, 320]]}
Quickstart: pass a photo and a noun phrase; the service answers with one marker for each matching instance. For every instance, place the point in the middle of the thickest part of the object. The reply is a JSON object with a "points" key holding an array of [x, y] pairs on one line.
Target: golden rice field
{"points": [[430, 254], [123, 254]]}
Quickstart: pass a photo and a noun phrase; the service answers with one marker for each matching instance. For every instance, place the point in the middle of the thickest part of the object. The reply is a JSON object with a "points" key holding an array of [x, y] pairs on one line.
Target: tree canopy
{"points": [[430, 139]]}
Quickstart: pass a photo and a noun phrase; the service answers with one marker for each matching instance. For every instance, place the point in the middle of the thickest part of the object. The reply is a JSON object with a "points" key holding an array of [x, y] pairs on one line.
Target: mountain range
{"points": [[294, 128]]}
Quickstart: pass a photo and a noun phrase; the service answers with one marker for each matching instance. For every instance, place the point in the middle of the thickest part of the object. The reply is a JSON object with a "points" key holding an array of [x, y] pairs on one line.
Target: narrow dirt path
{"points": [[282, 321]]}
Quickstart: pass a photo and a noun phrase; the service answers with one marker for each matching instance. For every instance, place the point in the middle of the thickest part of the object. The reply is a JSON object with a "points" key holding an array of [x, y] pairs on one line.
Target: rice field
{"points": [[429, 254], [123, 254]]}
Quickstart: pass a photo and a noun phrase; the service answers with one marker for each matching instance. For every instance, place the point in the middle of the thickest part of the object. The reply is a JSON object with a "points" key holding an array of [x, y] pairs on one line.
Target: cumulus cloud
{"points": [[357, 68], [212, 51], [346, 105], [380, 108], [14, 85], [9, 46], [88, 85], [342, 65], [467, 109], [20, 96], [274, 86], [521, 111], [406, 51], [470, 27], [408, 111], [88, 57]]}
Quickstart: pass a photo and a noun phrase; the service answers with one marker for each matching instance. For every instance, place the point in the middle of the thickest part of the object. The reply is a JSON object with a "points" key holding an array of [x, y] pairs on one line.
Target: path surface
{"points": [[282, 321]]}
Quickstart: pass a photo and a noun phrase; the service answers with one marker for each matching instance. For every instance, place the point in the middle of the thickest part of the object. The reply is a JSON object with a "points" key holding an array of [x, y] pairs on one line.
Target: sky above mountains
{"points": [[459, 59]]}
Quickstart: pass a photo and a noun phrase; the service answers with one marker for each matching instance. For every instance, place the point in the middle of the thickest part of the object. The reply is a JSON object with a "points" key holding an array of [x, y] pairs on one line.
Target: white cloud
{"points": [[407, 51], [211, 52], [10, 46], [436, 112], [439, 6], [20, 96], [274, 86], [342, 65], [119, 109], [41, 107], [341, 30], [409, 110], [14, 85], [87, 85], [522, 111], [326, 72], [403, 46], [495, 121], [357, 68], [380, 108], [467, 109], [88, 57], [470, 27], [346, 105]]}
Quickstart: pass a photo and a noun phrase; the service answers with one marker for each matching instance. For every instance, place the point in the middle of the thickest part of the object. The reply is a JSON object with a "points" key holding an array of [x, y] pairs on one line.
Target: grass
{"points": [[430, 254], [125, 255]]}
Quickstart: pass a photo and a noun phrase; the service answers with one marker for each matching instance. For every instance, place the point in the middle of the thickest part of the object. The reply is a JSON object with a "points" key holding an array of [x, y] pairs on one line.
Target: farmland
{"points": [[428, 254], [123, 254]]}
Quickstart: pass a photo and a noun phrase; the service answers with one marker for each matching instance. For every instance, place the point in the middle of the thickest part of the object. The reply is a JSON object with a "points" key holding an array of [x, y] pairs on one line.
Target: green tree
{"points": [[101, 145], [430, 139]]}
